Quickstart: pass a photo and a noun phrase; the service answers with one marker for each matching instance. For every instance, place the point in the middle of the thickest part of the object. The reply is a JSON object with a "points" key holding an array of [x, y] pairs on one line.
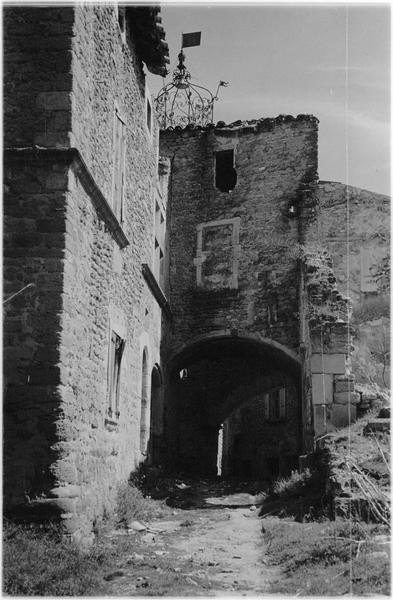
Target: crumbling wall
{"points": [[251, 283], [328, 312], [354, 225]]}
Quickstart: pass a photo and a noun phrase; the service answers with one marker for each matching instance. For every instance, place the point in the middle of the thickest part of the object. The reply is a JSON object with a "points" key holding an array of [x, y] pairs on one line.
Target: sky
{"points": [[329, 60]]}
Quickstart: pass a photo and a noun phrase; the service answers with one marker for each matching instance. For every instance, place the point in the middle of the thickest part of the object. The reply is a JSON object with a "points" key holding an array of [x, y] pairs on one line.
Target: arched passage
{"points": [[247, 388]]}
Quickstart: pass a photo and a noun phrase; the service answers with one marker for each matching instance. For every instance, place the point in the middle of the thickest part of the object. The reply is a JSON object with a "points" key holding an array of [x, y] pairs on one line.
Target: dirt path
{"points": [[212, 550]]}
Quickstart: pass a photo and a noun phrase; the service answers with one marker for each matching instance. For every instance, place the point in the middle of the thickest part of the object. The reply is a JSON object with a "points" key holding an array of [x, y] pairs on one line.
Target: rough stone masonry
{"points": [[180, 288]]}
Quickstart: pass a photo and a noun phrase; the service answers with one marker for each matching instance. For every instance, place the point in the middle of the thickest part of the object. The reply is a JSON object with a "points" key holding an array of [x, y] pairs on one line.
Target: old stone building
{"points": [[85, 206], [179, 295]]}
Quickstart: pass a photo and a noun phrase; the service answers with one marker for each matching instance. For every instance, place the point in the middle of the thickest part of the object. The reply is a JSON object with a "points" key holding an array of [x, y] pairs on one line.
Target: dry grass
{"points": [[38, 562], [132, 505], [326, 559]]}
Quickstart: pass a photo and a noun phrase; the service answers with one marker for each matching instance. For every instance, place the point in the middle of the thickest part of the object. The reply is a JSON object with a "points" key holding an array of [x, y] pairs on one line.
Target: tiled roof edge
{"points": [[254, 124]]}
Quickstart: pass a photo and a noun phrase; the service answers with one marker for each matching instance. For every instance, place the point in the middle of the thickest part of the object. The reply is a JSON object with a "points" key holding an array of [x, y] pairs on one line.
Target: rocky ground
{"points": [[210, 543]]}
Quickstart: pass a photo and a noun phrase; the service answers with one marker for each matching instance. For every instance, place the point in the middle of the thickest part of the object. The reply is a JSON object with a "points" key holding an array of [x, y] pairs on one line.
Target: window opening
{"points": [[275, 405], [144, 405], [156, 415], [183, 374], [220, 448], [226, 176], [159, 240], [119, 163], [148, 114], [116, 349]]}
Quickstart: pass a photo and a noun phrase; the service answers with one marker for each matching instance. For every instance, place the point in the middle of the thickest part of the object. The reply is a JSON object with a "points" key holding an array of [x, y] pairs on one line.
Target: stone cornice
{"points": [[73, 157], [156, 290]]}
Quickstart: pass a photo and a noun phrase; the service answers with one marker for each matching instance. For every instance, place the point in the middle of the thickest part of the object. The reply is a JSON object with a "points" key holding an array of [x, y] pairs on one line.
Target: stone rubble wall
{"points": [[86, 283], [351, 219], [34, 245], [332, 382], [272, 161], [353, 222], [37, 75]]}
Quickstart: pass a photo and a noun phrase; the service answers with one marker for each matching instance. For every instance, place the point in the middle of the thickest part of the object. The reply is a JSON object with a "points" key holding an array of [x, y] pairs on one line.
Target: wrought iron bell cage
{"points": [[181, 102]]}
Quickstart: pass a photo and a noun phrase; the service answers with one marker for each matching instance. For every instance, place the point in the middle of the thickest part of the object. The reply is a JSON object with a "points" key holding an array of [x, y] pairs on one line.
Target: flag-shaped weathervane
{"points": [[191, 39]]}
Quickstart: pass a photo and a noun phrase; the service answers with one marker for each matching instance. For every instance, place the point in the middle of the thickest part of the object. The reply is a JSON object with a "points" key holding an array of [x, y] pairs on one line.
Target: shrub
{"points": [[131, 504], [292, 485]]}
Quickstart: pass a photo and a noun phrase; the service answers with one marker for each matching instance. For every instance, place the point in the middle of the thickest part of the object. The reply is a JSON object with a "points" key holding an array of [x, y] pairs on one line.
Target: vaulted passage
{"points": [[233, 409]]}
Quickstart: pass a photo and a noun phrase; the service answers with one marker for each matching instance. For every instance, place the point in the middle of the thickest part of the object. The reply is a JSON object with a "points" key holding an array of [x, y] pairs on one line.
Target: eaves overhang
{"points": [[149, 37]]}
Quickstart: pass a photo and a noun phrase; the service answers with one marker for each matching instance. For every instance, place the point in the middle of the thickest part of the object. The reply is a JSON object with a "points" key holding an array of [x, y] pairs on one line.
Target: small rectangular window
{"points": [[119, 165], [226, 176], [275, 405], [116, 348], [282, 404], [159, 241]]}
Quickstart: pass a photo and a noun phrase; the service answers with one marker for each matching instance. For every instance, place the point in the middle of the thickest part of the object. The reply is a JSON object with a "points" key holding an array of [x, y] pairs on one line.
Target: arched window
{"points": [[156, 415], [144, 403]]}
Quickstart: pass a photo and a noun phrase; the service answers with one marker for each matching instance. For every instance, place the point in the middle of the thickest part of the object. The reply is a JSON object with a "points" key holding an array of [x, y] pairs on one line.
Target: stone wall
{"points": [[328, 313], [251, 285], [92, 282], [37, 75], [34, 246], [234, 260], [353, 222], [256, 446]]}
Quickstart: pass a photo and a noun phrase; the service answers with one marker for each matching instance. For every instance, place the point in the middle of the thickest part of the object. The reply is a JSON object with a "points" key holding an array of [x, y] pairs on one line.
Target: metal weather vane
{"points": [[181, 102]]}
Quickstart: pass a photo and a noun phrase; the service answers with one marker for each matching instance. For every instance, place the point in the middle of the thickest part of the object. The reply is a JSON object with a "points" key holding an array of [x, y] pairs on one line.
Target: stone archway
{"points": [[211, 379]]}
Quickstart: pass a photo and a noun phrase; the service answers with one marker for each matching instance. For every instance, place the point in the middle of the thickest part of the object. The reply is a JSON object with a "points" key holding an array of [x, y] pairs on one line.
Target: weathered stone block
{"points": [[342, 415], [346, 377], [328, 363], [345, 397], [322, 389], [320, 425], [344, 385]]}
